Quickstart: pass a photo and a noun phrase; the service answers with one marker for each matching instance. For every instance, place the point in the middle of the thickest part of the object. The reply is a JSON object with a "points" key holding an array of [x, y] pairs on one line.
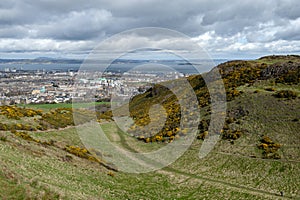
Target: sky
{"points": [[233, 29]]}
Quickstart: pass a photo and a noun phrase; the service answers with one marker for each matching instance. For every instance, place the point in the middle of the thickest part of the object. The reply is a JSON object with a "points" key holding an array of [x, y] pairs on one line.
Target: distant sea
{"points": [[185, 68]]}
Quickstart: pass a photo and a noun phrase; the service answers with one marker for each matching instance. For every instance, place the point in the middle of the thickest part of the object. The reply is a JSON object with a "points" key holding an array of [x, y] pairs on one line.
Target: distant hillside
{"points": [[41, 60]]}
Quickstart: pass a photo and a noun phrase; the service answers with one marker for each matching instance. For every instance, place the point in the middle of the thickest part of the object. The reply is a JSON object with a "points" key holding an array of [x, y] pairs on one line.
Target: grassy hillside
{"points": [[275, 70], [257, 158]]}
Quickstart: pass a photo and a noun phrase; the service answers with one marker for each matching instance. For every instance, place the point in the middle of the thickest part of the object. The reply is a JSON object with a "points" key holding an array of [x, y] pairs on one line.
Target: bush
{"points": [[266, 140], [63, 117], [203, 125], [14, 112], [82, 153], [232, 93], [106, 115], [231, 135], [110, 173], [202, 135], [292, 77], [48, 143], [286, 94], [229, 120], [3, 127], [3, 138], [26, 136], [269, 148], [275, 156]]}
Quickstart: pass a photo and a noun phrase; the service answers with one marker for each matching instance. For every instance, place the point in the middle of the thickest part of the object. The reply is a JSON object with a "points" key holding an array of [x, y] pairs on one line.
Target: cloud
{"points": [[17, 32], [288, 9], [43, 45], [134, 41], [290, 31], [76, 25], [217, 25]]}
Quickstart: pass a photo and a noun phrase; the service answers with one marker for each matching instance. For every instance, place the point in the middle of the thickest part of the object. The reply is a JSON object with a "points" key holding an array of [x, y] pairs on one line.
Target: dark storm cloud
{"points": [[78, 19], [237, 16], [289, 9], [77, 25], [223, 24]]}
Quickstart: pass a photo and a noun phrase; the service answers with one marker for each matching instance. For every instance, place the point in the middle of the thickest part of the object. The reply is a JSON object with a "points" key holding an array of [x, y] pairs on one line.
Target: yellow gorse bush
{"points": [[15, 112], [270, 148], [82, 153]]}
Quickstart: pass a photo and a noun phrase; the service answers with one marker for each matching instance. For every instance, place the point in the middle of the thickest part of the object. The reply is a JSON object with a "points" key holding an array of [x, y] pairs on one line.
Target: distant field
{"points": [[62, 105]]}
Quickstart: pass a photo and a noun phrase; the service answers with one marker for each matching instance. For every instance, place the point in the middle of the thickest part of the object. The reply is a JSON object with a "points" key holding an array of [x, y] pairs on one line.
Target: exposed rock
{"points": [[279, 69]]}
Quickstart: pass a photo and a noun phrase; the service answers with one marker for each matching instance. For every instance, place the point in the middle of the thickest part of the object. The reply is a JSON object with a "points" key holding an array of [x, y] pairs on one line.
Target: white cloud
{"points": [[230, 28], [44, 45]]}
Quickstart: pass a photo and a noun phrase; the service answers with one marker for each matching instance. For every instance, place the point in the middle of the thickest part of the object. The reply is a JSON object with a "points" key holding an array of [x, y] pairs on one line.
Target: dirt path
{"points": [[266, 160], [234, 187]]}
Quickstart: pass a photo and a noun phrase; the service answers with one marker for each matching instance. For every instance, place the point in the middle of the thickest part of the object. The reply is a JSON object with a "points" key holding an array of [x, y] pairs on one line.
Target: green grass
{"points": [[229, 167], [81, 180], [66, 136], [10, 188], [263, 85], [118, 137], [277, 59]]}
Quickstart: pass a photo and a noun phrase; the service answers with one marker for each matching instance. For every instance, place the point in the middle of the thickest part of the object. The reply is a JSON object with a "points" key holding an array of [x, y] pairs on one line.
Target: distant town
{"points": [[18, 86]]}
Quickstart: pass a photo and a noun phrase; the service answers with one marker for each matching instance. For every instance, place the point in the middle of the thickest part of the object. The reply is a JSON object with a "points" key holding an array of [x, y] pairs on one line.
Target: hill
{"points": [[257, 158], [272, 70]]}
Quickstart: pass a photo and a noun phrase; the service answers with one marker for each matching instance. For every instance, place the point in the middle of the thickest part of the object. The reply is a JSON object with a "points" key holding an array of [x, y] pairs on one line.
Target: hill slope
{"points": [[276, 69], [257, 158]]}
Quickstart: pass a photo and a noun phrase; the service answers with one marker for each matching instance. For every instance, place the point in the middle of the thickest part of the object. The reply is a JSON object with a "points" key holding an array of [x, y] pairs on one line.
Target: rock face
{"points": [[277, 69]]}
